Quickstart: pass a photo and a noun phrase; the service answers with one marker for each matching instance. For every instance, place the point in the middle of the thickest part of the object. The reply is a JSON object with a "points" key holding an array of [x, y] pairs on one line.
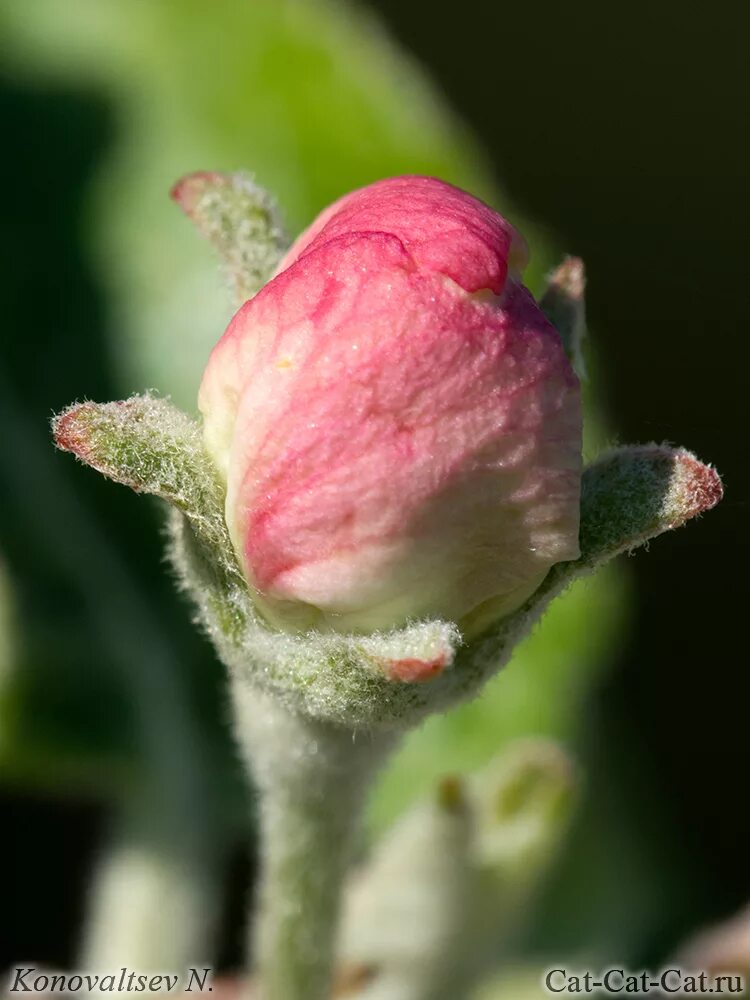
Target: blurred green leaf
{"points": [[313, 98], [516, 983]]}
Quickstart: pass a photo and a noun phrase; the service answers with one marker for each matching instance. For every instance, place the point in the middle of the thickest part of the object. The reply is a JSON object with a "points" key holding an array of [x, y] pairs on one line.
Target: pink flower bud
{"points": [[397, 422]]}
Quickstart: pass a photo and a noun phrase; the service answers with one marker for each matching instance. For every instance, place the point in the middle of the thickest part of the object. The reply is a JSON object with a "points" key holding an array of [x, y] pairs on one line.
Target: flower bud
{"points": [[396, 420]]}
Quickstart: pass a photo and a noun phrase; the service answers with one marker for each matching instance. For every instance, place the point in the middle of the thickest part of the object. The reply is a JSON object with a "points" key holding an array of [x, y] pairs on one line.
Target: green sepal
{"points": [[563, 304], [628, 496], [148, 444], [241, 221]]}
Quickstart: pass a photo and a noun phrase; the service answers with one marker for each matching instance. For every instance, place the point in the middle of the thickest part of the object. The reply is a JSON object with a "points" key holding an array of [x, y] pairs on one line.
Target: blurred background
{"points": [[617, 133]]}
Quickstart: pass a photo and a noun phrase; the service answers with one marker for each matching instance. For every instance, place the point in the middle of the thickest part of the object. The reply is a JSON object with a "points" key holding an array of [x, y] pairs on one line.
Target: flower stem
{"points": [[312, 778]]}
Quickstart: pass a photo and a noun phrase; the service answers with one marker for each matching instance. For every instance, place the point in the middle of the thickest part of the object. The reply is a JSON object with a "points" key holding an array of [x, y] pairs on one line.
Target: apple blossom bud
{"points": [[396, 420], [628, 496]]}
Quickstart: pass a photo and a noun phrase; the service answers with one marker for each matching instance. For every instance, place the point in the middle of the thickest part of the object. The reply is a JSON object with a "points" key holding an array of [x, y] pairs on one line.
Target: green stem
{"points": [[312, 778]]}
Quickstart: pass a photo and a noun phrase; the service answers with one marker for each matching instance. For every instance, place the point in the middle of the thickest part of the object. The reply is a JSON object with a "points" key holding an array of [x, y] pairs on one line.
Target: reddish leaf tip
{"points": [[412, 670], [188, 189], [701, 484], [570, 276], [699, 487], [70, 433]]}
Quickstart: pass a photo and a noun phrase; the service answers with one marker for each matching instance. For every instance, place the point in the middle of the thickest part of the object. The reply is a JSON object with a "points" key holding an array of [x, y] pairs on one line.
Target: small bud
{"points": [[444, 890], [405, 908], [524, 802]]}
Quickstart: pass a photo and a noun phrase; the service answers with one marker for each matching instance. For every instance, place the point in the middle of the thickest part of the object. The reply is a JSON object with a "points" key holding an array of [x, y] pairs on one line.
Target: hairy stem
{"points": [[312, 778]]}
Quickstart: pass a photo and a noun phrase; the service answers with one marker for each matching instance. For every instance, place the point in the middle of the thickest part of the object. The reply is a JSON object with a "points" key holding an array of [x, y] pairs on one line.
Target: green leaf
{"points": [[628, 496], [241, 221], [146, 443], [635, 493]]}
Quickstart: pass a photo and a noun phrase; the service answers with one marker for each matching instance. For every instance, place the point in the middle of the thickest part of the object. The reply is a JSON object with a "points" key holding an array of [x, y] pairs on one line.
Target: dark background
{"points": [[623, 129]]}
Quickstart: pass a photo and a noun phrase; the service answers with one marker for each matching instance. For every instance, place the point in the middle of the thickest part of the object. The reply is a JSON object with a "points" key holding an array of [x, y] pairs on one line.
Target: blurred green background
{"points": [[612, 132]]}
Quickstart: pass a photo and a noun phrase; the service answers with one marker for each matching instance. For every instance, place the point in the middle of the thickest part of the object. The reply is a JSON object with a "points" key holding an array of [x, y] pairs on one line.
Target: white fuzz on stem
{"points": [[312, 778]]}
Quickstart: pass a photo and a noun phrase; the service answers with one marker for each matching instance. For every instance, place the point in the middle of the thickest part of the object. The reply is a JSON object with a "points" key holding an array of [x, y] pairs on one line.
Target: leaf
{"points": [[628, 496], [149, 445], [635, 493], [146, 443], [563, 304], [241, 221]]}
